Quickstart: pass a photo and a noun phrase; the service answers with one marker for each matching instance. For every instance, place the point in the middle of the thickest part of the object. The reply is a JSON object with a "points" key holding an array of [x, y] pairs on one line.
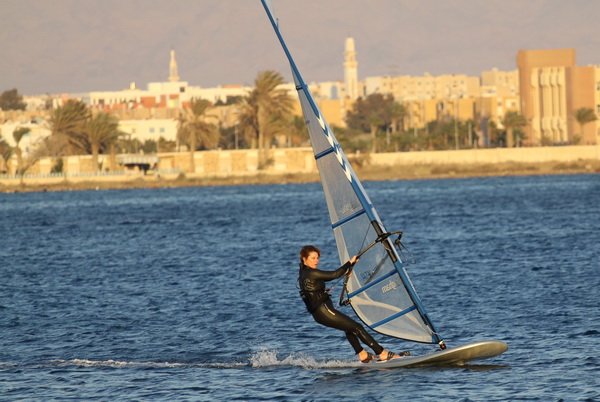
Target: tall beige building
{"points": [[407, 88], [552, 89], [500, 83]]}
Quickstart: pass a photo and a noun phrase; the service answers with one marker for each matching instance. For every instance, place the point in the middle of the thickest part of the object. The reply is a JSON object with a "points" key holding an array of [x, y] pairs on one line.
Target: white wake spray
{"points": [[269, 358]]}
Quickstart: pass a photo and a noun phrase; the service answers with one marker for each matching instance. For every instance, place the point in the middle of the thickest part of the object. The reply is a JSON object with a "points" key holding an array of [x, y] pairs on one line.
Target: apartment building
{"points": [[552, 89]]}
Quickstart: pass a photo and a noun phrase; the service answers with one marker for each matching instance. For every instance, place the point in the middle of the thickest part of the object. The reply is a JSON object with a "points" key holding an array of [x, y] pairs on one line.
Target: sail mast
{"points": [[380, 290]]}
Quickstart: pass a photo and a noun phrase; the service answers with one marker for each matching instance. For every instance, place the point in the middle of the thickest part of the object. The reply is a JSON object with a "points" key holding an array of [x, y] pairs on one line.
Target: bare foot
{"points": [[363, 354], [387, 355]]}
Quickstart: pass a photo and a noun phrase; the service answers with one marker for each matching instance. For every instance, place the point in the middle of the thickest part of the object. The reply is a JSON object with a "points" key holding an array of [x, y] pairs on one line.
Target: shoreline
{"points": [[365, 173]]}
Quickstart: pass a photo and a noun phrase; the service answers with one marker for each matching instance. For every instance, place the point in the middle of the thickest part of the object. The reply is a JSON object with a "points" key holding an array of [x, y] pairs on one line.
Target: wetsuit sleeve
{"points": [[330, 275]]}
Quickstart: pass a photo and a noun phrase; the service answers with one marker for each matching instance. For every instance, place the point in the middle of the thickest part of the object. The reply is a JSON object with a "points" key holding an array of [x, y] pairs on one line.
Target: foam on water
{"points": [[264, 358], [122, 364], [269, 358], [114, 363]]}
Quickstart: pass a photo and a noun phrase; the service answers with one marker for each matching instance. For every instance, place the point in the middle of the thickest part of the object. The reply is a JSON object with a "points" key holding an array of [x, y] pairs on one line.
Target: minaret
{"points": [[350, 70], [173, 76]]}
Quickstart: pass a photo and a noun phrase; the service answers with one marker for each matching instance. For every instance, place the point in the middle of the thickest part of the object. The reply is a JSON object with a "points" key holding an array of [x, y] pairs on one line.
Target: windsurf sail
{"points": [[379, 290]]}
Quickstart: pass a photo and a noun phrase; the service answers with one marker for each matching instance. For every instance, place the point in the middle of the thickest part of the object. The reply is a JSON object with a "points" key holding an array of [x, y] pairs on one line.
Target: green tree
{"points": [[471, 134], [11, 100], [149, 147], [298, 131], [127, 145], [230, 100], [58, 166], [397, 113], [100, 134], [438, 132], [373, 114], [164, 145], [67, 123], [351, 140], [193, 129], [584, 116], [512, 120], [546, 141], [74, 130], [248, 119], [87, 134], [265, 111], [18, 135], [6, 151], [495, 137], [375, 121]]}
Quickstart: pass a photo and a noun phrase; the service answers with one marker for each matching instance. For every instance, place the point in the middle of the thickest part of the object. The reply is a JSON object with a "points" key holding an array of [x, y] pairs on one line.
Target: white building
{"points": [[38, 130], [150, 129], [171, 94]]}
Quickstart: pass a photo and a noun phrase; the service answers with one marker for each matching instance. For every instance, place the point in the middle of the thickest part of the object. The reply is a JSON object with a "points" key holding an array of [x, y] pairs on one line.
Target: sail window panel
{"points": [[389, 290], [357, 233], [378, 294], [353, 236], [409, 326], [342, 201]]}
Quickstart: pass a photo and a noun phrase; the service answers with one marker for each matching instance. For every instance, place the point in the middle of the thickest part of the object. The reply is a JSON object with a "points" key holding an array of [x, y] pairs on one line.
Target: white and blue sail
{"points": [[379, 290]]}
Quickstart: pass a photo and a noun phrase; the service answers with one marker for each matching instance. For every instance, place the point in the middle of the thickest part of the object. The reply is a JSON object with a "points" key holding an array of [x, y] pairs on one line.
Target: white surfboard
{"points": [[449, 357]]}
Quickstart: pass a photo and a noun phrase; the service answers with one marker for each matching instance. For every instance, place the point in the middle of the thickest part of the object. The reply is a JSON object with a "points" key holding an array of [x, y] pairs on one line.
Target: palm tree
{"points": [[397, 113], [248, 119], [298, 131], [67, 124], [18, 135], [101, 133], [264, 111], [375, 121], [194, 131], [584, 116], [6, 152], [511, 121]]}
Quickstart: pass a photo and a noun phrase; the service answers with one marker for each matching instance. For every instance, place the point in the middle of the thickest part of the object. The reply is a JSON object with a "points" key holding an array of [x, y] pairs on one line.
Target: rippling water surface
{"points": [[189, 294]]}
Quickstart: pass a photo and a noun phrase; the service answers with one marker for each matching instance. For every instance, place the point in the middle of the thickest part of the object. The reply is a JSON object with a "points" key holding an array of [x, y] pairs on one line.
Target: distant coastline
{"points": [[365, 173]]}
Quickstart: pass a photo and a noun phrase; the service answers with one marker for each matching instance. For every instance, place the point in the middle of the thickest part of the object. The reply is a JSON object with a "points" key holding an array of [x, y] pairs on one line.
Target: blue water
{"points": [[189, 294]]}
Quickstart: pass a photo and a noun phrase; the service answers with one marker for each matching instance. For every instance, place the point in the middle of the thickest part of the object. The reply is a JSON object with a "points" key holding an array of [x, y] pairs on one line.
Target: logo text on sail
{"points": [[389, 287]]}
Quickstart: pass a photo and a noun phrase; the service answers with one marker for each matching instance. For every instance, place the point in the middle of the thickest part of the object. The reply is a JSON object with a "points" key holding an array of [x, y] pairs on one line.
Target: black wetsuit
{"points": [[318, 303]]}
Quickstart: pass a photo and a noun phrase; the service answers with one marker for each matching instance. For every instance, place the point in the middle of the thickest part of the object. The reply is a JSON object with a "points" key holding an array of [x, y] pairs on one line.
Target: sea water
{"points": [[190, 293]]}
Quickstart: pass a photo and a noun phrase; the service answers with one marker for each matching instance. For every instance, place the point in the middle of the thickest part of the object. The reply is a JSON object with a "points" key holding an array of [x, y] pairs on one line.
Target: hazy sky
{"points": [[66, 46]]}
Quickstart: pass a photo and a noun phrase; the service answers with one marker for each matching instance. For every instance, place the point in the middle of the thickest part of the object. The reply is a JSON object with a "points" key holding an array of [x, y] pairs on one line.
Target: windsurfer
{"points": [[319, 304]]}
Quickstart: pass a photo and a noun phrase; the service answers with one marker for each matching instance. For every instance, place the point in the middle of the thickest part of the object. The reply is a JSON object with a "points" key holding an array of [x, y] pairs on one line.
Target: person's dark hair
{"points": [[306, 250]]}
